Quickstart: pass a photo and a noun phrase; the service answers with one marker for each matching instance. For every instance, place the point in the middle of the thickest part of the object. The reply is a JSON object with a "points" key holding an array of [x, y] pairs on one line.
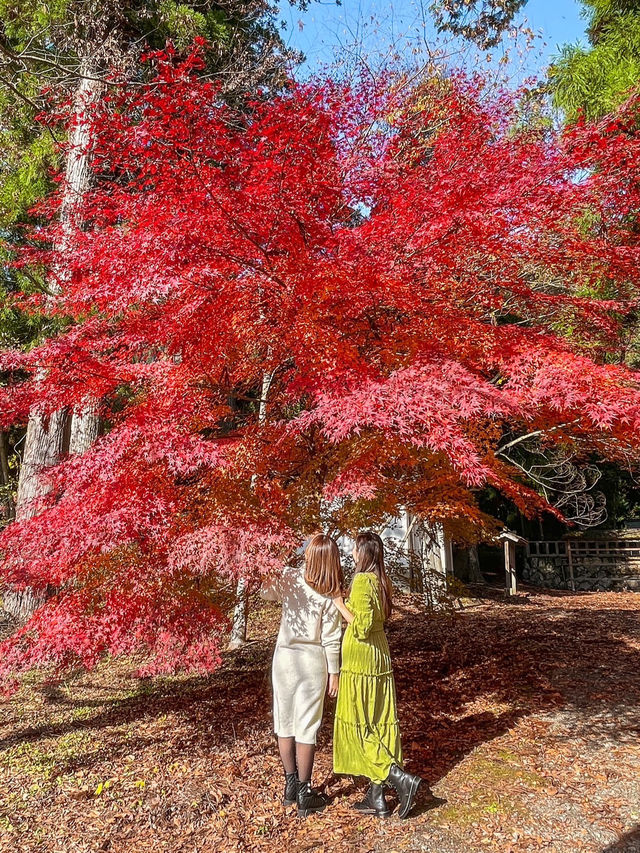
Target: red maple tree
{"points": [[323, 307]]}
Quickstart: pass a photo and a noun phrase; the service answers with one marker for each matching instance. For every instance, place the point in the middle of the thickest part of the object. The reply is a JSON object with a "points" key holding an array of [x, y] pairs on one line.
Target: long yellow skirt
{"points": [[366, 736]]}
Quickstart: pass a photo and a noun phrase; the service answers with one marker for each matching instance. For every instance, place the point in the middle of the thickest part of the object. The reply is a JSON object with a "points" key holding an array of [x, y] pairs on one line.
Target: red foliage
{"points": [[408, 265]]}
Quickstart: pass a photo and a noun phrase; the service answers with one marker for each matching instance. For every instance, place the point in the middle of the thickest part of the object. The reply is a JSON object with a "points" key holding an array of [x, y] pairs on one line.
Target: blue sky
{"points": [[326, 31]]}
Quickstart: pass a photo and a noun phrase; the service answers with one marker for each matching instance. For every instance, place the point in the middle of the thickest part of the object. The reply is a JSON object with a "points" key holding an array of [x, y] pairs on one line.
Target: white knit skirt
{"points": [[299, 677]]}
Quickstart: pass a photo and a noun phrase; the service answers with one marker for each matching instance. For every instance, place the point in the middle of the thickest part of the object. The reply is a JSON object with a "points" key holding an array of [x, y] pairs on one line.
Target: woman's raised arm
{"points": [[359, 614]]}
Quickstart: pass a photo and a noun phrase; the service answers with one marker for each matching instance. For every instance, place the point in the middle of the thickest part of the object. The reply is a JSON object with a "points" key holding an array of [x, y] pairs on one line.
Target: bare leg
{"points": [[287, 747], [305, 753]]}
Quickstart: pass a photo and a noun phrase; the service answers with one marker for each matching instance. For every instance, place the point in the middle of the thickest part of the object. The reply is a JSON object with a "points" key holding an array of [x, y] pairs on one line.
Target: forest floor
{"points": [[523, 717]]}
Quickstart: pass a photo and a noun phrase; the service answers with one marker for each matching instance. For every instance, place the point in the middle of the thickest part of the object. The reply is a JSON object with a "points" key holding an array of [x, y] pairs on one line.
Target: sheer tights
{"points": [[297, 755]]}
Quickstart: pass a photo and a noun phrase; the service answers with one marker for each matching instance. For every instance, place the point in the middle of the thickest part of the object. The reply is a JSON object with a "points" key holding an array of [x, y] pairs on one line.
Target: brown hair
{"points": [[370, 558], [323, 571]]}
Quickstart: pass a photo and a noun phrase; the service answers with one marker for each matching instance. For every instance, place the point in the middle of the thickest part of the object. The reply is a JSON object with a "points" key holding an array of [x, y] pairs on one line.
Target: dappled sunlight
{"points": [[522, 718]]}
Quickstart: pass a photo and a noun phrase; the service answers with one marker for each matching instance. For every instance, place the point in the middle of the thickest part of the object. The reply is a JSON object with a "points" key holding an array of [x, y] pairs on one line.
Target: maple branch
{"points": [[534, 434], [234, 222]]}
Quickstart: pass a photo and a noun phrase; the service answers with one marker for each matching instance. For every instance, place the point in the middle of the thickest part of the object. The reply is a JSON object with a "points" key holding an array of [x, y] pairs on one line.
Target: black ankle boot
{"points": [[406, 786], [309, 801], [374, 802], [290, 788]]}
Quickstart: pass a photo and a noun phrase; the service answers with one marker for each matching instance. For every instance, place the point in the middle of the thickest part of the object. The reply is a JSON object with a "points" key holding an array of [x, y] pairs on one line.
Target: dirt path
{"points": [[523, 718]]}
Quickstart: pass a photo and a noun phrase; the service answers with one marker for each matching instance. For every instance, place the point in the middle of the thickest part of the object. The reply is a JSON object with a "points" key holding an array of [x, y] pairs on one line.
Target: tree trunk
{"points": [[475, 575], [43, 447], [44, 444], [85, 423], [34, 459], [239, 623], [410, 545], [45, 439], [6, 475], [85, 426], [436, 562]]}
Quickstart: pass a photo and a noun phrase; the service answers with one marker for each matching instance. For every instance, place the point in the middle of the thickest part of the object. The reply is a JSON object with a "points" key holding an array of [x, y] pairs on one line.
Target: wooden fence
{"points": [[580, 563]]}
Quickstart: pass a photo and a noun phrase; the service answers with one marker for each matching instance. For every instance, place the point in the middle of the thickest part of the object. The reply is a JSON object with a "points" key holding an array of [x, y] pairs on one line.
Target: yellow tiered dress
{"points": [[366, 738]]}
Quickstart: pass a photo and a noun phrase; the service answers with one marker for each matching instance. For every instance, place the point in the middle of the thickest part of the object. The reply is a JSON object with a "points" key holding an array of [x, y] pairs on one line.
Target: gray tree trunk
{"points": [[45, 439], [43, 447], [475, 575], [6, 475], [436, 564], [239, 622], [240, 613], [411, 545], [85, 423], [44, 444], [85, 426]]}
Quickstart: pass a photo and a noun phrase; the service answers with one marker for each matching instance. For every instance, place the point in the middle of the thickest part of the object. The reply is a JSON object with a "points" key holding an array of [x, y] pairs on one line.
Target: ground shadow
{"points": [[225, 705], [629, 843], [525, 658]]}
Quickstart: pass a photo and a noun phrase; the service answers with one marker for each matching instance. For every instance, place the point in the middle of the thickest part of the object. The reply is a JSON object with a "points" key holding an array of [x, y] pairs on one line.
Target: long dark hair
{"points": [[370, 558]]}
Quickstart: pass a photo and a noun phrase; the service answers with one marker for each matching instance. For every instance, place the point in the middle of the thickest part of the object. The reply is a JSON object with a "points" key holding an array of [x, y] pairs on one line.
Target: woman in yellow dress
{"points": [[366, 739]]}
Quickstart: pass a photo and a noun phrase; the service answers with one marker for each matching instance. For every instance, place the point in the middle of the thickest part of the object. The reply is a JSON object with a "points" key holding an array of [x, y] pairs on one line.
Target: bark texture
{"points": [[85, 427], [437, 562], [49, 437]]}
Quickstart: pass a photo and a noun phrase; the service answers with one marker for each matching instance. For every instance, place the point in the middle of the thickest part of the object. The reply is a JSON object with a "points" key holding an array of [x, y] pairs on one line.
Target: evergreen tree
{"points": [[595, 79], [46, 44]]}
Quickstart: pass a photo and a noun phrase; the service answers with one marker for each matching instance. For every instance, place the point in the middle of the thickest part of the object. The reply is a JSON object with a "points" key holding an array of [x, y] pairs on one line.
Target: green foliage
{"points": [[622, 492], [41, 43], [183, 24], [20, 21], [40, 46], [595, 79], [29, 155], [16, 327]]}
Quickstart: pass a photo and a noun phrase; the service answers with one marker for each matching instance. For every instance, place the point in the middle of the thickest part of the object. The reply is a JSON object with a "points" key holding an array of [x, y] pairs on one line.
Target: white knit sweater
{"points": [[308, 618]]}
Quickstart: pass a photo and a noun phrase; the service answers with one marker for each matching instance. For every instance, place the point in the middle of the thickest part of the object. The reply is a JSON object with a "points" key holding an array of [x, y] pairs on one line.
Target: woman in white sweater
{"points": [[306, 663]]}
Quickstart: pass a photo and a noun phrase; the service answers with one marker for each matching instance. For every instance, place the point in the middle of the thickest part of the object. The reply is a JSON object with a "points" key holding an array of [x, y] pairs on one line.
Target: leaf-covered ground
{"points": [[523, 718]]}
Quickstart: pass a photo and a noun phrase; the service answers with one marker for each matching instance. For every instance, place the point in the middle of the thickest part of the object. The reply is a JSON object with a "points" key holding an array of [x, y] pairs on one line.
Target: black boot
{"points": [[309, 801], [374, 802], [406, 786], [290, 788]]}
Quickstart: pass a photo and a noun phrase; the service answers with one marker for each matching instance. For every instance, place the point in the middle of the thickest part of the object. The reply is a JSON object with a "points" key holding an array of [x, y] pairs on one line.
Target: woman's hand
{"points": [[342, 607], [332, 686]]}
